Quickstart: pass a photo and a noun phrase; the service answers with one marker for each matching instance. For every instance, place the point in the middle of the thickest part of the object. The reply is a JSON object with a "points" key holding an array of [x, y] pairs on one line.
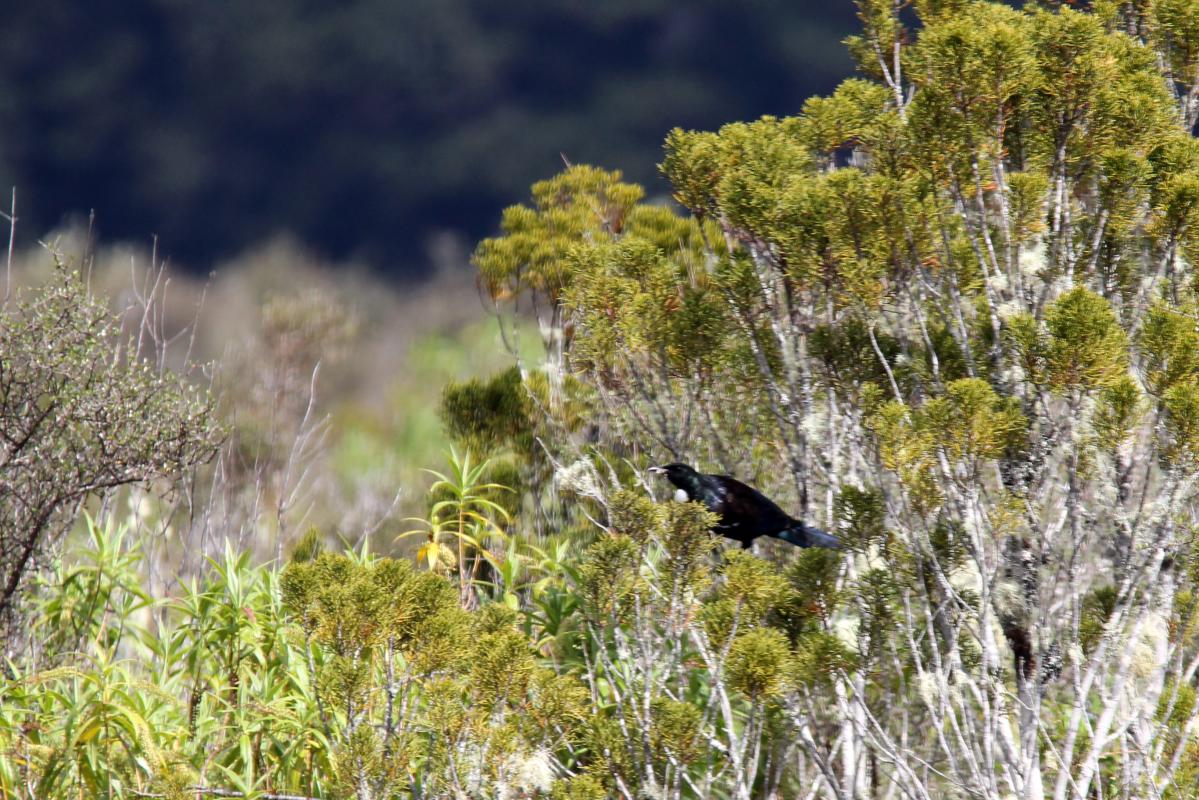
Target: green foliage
{"points": [[466, 512], [581, 202], [968, 424], [628, 296], [103, 579], [820, 658], [345, 673], [156, 695], [875, 596], [1181, 405], [1097, 609], [676, 731], [488, 415], [580, 787], [1170, 344], [862, 517], [341, 674], [814, 591], [965, 281], [947, 313], [1118, 412], [847, 353], [971, 421], [609, 579], [679, 529], [1086, 349], [753, 584], [849, 115], [759, 663]]}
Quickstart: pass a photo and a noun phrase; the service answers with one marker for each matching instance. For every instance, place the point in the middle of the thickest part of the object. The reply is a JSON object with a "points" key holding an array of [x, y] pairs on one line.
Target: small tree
{"points": [[951, 310], [80, 415]]}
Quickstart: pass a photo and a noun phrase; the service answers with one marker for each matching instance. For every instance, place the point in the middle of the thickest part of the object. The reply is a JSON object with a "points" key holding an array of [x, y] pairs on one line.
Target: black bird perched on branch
{"points": [[745, 513]]}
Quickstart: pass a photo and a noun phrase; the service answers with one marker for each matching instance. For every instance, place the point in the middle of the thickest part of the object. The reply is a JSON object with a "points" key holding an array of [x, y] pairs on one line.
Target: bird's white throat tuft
{"points": [[680, 496]]}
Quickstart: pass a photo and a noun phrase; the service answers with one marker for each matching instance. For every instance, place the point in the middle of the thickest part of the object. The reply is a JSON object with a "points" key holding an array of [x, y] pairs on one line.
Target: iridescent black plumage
{"points": [[745, 513]]}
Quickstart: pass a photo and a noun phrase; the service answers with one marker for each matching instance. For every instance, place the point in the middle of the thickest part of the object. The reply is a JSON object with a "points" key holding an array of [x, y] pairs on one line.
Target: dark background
{"points": [[367, 127]]}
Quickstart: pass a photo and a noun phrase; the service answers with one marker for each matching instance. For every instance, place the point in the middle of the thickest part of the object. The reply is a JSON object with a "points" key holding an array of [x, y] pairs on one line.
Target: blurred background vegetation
{"points": [[324, 170], [277, 327], [370, 128]]}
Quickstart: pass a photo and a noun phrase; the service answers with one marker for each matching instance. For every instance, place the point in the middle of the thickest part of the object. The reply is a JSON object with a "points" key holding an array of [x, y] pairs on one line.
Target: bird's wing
{"points": [[753, 511], [712, 493]]}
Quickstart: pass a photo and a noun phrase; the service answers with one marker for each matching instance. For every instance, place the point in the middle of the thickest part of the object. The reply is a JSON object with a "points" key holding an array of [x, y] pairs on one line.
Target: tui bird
{"points": [[745, 513]]}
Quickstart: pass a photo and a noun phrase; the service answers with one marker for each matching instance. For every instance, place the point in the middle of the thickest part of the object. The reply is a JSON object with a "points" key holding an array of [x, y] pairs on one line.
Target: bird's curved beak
{"points": [[658, 470]]}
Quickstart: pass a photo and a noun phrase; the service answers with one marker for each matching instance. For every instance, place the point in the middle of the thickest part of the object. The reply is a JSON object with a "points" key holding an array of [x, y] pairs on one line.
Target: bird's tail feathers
{"points": [[806, 536]]}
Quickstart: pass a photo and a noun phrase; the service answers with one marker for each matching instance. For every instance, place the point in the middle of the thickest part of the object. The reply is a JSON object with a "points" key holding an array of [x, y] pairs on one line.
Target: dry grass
{"points": [[260, 323]]}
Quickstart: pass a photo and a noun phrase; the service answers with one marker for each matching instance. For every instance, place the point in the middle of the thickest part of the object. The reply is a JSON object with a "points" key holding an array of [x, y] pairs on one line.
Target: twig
{"points": [[11, 216]]}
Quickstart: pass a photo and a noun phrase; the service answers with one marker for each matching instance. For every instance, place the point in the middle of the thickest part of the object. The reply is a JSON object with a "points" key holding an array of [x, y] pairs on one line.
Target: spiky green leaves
{"points": [[772, 622], [738, 173], [759, 663], [862, 514], [609, 579], [1082, 348], [751, 590], [581, 203], [502, 667], [814, 592], [1181, 403], [1117, 413], [1087, 347], [762, 665], [350, 607], [764, 182], [970, 423], [1174, 27], [1169, 342], [580, 787], [629, 298], [820, 657], [851, 115], [754, 585], [674, 536], [970, 67], [488, 415], [676, 730], [377, 626], [1095, 90]]}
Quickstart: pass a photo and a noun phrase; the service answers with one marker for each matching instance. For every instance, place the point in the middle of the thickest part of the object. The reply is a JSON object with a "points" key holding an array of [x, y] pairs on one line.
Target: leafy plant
{"points": [[463, 512]]}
